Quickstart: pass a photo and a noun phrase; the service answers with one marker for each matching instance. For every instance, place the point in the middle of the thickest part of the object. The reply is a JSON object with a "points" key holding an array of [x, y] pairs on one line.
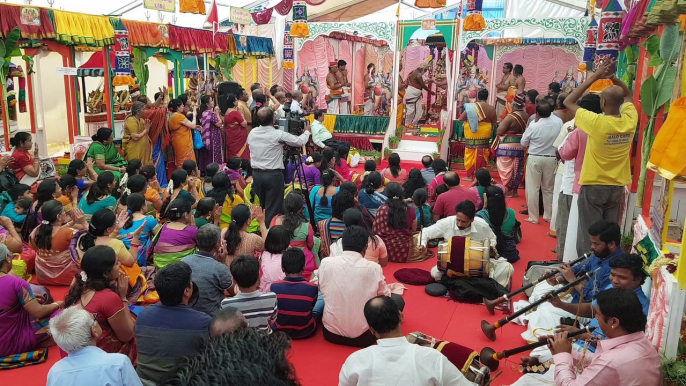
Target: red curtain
{"points": [[10, 17]]}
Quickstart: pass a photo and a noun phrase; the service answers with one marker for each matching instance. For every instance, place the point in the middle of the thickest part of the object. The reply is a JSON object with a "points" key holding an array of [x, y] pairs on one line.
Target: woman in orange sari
{"points": [[181, 134], [236, 131]]}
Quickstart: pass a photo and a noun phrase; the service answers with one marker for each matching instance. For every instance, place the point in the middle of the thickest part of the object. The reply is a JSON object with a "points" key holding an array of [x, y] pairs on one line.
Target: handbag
{"points": [[517, 232], [20, 268], [197, 140], [7, 179]]}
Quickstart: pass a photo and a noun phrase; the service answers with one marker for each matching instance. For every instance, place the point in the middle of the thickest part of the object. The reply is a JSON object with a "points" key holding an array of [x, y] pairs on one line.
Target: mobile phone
{"points": [[567, 321]]}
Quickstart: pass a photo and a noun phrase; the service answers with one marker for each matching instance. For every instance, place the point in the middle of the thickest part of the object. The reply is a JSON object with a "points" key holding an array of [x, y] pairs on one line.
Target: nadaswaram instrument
{"points": [[491, 359], [491, 304], [489, 329], [462, 256]]}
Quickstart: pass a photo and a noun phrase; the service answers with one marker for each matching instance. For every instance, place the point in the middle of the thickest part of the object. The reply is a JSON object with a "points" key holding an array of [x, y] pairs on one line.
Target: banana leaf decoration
{"points": [[140, 67], [224, 64]]}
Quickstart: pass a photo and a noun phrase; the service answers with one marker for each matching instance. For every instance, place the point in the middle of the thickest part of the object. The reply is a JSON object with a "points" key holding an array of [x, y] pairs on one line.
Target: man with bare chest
{"points": [[334, 93], [515, 84], [342, 77], [413, 96]]}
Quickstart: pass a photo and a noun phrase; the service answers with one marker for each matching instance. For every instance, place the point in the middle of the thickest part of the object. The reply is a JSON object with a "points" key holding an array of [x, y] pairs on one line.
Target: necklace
{"points": [[3, 272]]}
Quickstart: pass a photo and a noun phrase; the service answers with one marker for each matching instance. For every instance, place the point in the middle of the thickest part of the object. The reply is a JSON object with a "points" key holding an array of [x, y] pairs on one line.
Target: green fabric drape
{"points": [[355, 124]]}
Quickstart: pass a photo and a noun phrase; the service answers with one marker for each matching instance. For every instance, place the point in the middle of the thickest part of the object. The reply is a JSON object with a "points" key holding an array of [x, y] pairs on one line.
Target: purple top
{"points": [[312, 175], [209, 122], [18, 332]]}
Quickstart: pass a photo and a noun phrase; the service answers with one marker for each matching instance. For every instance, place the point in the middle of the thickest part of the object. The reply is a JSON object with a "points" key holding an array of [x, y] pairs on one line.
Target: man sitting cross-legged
{"points": [[346, 282], [394, 360]]}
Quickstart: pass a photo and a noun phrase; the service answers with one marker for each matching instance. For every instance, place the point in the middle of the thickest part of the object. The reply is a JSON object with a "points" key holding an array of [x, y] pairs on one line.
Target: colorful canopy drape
{"points": [[81, 29], [357, 38], [34, 23], [144, 34]]}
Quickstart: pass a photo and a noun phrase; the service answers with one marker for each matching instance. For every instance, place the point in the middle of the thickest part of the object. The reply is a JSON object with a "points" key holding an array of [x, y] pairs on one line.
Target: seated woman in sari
{"points": [[502, 221], [238, 240], [302, 235], [48, 189], [320, 197], [98, 196], [105, 154], [84, 174], [481, 183], [341, 163], [224, 195], [373, 192], [136, 142], [23, 320], [9, 235], [138, 184], [394, 223], [25, 161], [181, 134], [51, 240], [176, 190], [105, 224], [331, 229], [177, 238], [236, 130], [153, 194], [138, 216], [93, 290]]}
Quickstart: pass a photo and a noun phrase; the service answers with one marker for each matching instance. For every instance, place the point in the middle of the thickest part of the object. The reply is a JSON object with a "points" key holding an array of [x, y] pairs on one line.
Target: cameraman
{"points": [[320, 134], [266, 158]]}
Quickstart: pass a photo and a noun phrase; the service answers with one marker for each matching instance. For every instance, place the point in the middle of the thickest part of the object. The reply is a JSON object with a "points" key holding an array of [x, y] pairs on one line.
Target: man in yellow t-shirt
{"points": [[606, 167]]}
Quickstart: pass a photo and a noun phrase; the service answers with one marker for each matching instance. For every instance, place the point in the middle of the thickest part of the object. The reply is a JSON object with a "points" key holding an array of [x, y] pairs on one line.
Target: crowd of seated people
{"points": [[213, 272]]}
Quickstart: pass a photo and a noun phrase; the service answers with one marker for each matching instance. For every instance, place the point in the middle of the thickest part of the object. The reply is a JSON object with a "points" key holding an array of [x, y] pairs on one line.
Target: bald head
{"points": [[451, 179], [280, 96], [265, 116], [612, 98], [226, 321]]}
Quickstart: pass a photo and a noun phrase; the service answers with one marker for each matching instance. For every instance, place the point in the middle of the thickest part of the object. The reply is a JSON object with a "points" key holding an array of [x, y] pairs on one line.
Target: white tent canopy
{"points": [[329, 11]]}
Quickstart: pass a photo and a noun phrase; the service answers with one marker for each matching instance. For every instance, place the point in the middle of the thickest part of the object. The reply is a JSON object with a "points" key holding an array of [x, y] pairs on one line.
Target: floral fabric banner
{"points": [[122, 63], [288, 53], [300, 28]]}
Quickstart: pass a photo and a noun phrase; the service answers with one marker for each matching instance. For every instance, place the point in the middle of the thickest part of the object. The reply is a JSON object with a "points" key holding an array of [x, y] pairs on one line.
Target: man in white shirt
{"points": [[321, 136], [466, 224], [295, 105], [394, 361], [346, 282], [280, 113], [541, 163], [266, 158], [565, 175]]}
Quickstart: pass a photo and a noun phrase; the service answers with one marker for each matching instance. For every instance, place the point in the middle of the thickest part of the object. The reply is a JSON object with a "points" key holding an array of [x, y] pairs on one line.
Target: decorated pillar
{"points": [[474, 20], [609, 31], [300, 28], [591, 41]]}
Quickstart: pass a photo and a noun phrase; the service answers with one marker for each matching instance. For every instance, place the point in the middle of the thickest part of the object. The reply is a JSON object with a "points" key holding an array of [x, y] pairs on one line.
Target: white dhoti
{"points": [[499, 270], [413, 105], [444, 120], [368, 107], [556, 198], [333, 106], [343, 102], [570, 241]]}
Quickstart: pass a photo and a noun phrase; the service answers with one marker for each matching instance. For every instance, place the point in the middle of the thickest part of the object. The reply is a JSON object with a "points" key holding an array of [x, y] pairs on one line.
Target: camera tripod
{"points": [[293, 155]]}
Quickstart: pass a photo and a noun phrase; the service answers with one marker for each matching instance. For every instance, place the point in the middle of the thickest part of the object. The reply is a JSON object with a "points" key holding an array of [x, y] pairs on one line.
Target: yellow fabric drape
{"points": [[192, 6], [666, 155], [80, 29], [329, 121]]}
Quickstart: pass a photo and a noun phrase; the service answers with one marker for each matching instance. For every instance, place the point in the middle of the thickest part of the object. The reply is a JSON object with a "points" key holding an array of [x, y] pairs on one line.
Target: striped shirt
{"points": [[258, 308], [336, 229], [296, 298]]}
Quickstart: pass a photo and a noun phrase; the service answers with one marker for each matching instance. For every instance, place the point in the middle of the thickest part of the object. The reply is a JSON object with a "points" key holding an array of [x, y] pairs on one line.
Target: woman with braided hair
{"points": [[47, 190], [394, 223]]}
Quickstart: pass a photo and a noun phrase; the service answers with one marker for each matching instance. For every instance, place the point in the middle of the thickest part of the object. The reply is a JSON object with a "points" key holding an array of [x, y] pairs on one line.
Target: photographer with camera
{"points": [[321, 136], [266, 145]]}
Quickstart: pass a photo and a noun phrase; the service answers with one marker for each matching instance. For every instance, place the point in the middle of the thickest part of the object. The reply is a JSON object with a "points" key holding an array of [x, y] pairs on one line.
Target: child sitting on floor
{"points": [[258, 308], [12, 198], [278, 239], [296, 298]]}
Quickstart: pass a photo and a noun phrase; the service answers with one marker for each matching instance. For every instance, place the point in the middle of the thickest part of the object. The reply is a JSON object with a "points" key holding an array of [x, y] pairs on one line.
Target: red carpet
{"points": [[318, 362]]}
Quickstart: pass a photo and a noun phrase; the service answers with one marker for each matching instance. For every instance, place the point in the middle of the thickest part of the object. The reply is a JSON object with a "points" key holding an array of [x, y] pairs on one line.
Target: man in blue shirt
{"points": [[76, 331], [605, 244], [171, 329]]}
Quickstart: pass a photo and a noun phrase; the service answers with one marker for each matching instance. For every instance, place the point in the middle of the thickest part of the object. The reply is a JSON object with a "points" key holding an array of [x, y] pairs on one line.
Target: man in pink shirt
{"points": [[446, 202], [624, 358], [346, 282]]}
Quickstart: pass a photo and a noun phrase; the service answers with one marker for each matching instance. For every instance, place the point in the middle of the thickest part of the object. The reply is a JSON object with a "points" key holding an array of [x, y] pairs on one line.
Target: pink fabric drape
{"points": [[288, 79], [266, 31], [238, 73], [540, 72], [360, 71], [387, 62], [414, 56], [316, 54]]}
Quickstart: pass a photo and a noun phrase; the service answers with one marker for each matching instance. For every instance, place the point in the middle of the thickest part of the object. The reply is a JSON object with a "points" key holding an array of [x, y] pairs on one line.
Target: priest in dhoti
{"points": [[342, 77], [479, 118], [414, 93], [334, 91], [513, 82]]}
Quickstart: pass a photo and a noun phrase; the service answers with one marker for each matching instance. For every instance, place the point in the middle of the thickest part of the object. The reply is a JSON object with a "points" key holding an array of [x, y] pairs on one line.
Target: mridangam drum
{"points": [[464, 358], [462, 256]]}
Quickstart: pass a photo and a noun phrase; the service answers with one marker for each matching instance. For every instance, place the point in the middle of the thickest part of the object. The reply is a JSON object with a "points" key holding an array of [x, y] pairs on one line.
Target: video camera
{"points": [[292, 123]]}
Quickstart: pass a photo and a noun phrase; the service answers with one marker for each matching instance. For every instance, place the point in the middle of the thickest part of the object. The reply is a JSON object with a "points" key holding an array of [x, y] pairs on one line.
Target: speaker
{"points": [[226, 88]]}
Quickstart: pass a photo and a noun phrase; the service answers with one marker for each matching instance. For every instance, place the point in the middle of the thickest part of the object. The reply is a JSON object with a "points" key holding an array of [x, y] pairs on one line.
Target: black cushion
{"points": [[436, 289]]}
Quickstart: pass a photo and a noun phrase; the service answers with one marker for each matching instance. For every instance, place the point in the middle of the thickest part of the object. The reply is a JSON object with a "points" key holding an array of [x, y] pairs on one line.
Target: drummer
{"points": [[466, 224]]}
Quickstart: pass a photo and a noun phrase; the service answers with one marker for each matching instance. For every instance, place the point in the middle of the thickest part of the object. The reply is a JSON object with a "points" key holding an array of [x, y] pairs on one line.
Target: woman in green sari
{"points": [[502, 221], [105, 154]]}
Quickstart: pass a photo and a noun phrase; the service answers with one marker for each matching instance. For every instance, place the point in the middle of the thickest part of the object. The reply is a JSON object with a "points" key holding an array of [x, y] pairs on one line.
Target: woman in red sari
{"points": [[23, 162], [394, 223], [236, 132]]}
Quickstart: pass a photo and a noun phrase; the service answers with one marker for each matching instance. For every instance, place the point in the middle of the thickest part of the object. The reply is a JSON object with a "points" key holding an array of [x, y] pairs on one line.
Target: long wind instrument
{"points": [[491, 359], [489, 329], [491, 304]]}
